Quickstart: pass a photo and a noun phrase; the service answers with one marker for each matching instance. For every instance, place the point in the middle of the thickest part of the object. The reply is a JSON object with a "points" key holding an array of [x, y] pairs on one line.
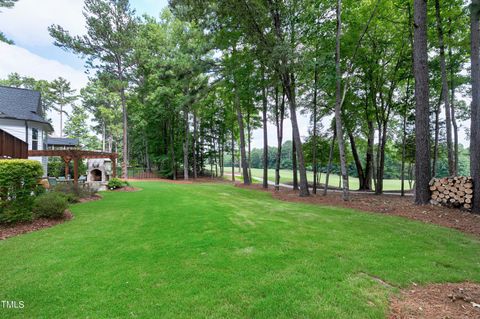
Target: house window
{"points": [[34, 139]]}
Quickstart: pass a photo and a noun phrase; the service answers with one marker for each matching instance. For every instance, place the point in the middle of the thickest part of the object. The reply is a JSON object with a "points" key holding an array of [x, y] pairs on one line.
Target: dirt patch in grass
{"points": [[387, 204], [90, 199], [461, 300], [126, 189], [7, 231]]}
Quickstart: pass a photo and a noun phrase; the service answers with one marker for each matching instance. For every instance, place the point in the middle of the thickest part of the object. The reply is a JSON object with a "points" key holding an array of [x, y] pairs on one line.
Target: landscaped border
{"points": [[7, 231]]}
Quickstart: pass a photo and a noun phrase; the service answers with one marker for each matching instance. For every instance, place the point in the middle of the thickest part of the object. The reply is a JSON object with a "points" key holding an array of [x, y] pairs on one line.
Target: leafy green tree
{"points": [[108, 47], [77, 127], [62, 95]]}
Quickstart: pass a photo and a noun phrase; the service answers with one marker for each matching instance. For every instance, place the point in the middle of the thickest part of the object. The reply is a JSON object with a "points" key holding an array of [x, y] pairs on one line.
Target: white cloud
{"points": [[26, 63], [28, 21]]}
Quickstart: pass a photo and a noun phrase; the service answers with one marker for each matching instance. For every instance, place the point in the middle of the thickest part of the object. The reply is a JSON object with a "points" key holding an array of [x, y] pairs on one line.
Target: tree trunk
{"points": [[147, 156], [279, 115], [455, 126], [185, 144], [422, 124], [125, 133], [288, 80], [194, 145], [404, 143], [369, 156], [314, 150], [265, 136], [381, 163], [446, 100], [294, 165], [435, 141], [104, 136], [475, 104], [338, 104], [404, 138], [61, 120], [358, 163], [452, 104], [172, 152], [330, 159], [243, 155], [249, 134], [233, 156]]}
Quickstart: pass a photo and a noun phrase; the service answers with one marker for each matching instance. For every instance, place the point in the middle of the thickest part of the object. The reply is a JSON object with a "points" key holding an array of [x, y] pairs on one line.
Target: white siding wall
{"points": [[17, 129], [41, 136], [14, 127]]}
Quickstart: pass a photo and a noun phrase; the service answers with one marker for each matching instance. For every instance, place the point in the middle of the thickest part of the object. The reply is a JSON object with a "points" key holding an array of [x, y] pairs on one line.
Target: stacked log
{"points": [[454, 191]]}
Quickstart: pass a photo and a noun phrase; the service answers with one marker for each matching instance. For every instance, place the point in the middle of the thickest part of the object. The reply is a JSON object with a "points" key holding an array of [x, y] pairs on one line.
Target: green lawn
{"points": [[216, 251], [286, 176]]}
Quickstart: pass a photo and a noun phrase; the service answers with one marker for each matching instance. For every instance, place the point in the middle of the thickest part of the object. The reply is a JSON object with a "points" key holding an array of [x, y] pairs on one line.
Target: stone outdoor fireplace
{"points": [[99, 170]]}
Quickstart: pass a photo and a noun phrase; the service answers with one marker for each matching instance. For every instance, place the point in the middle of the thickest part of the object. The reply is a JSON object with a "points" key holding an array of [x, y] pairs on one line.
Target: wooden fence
{"points": [[12, 147]]}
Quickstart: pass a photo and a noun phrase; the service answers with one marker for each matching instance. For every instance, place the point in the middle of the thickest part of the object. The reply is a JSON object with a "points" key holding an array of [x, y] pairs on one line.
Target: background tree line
{"points": [[183, 92]]}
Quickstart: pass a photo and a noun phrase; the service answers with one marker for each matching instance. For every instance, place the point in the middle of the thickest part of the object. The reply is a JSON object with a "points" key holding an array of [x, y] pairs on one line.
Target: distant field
{"points": [[286, 176]]}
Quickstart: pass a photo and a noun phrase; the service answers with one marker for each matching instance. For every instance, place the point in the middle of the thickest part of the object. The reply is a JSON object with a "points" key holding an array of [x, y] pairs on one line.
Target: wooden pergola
{"points": [[76, 155]]}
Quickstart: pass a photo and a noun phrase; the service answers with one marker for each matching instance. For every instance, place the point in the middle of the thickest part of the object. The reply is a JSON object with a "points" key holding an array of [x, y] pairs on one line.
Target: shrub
{"points": [[115, 183], [69, 191], [15, 213], [50, 205], [72, 193], [18, 187]]}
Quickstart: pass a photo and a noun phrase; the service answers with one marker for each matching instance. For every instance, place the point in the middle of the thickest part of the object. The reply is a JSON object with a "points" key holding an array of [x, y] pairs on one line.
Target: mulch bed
{"points": [[461, 300], [7, 231], [389, 205]]}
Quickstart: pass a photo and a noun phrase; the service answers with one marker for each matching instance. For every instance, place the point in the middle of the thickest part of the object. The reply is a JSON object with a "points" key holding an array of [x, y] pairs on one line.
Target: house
{"points": [[21, 116], [62, 143]]}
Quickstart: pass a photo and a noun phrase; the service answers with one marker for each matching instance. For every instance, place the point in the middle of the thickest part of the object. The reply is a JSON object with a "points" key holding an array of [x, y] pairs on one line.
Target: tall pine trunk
{"points": [[436, 138], [243, 154], [294, 165], [338, 105], [422, 121], [185, 144], [314, 150], [288, 81], [404, 137], [125, 133], [279, 115], [452, 102], [233, 156], [475, 104], [369, 156], [330, 159], [194, 145], [249, 141], [404, 147], [446, 100], [358, 163], [265, 136]]}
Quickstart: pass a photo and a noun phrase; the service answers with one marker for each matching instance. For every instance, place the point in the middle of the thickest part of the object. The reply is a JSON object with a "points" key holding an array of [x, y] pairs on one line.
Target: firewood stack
{"points": [[452, 191]]}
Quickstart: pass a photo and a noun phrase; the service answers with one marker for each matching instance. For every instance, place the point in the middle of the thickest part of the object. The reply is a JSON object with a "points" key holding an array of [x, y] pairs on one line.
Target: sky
{"points": [[35, 55]]}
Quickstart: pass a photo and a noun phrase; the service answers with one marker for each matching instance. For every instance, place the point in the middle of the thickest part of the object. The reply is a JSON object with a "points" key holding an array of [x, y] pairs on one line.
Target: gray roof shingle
{"points": [[62, 141], [21, 104]]}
